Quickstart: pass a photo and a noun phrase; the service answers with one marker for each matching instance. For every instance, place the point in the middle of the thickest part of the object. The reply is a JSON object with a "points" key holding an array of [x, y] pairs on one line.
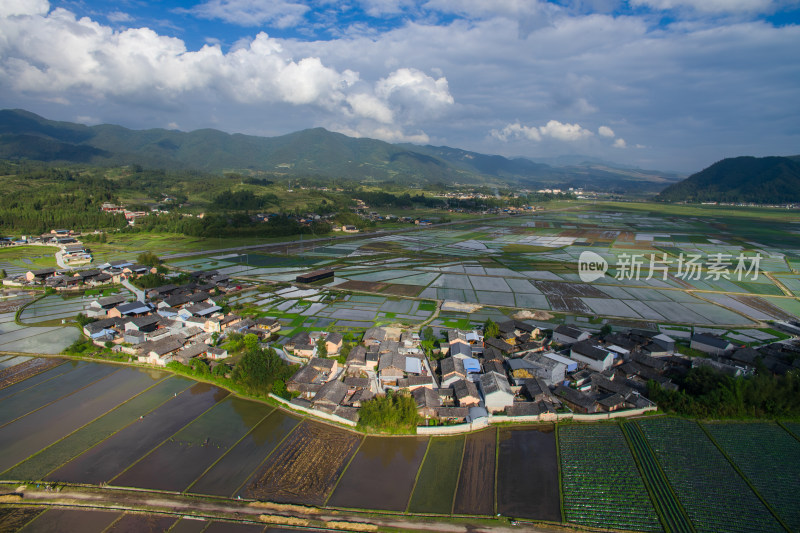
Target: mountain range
{"points": [[762, 180], [311, 152]]}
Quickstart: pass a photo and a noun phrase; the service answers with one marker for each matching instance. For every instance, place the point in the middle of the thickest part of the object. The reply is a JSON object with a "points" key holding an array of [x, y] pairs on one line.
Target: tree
{"points": [[490, 329], [396, 412], [427, 334], [82, 320], [606, 329], [220, 370], [322, 348], [200, 366], [258, 369], [251, 341], [148, 258]]}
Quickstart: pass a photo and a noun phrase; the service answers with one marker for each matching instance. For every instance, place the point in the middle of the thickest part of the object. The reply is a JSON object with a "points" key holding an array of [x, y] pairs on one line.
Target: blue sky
{"points": [[665, 84]]}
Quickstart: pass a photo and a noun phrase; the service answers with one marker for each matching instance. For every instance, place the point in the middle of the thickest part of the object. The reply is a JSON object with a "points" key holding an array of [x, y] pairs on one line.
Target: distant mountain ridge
{"points": [[762, 180], [311, 152]]}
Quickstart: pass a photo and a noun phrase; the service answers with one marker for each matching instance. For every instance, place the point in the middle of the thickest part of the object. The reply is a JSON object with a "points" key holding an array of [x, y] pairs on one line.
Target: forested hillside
{"points": [[765, 180]]}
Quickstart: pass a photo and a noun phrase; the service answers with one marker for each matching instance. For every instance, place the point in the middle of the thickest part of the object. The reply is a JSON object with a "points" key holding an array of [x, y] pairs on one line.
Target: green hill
{"points": [[312, 152], [764, 180]]}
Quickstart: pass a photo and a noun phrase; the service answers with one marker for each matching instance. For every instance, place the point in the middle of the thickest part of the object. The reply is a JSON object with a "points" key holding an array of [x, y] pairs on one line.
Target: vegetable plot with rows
{"points": [[716, 498], [602, 487]]}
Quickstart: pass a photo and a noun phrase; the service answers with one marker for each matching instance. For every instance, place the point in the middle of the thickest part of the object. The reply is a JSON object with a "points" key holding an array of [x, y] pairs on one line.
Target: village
{"points": [[518, 372]]}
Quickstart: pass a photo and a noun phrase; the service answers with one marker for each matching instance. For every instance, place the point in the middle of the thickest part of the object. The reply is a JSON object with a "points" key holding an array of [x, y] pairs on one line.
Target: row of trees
{"points": [[258, 372], [706, 393], [244, 200], [233, 225]]}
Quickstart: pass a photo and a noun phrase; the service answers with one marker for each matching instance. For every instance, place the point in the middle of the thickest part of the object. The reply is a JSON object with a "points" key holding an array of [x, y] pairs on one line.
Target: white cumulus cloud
{"points": [[620, 143], [9, 8], [605, 131], [55, 55], [368, 106], [415, 92], [711, 6], [278, 13], [553, 129], [564, 132], [517, 131], [119, 16]]}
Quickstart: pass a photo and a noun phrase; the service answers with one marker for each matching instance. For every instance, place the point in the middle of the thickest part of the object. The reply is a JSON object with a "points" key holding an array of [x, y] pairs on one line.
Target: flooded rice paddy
{"points": [[530, 262], [93, 424]]}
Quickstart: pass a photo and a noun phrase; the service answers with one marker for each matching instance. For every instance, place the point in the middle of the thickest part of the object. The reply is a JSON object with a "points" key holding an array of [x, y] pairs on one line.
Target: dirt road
{"points": [[218, 508]]}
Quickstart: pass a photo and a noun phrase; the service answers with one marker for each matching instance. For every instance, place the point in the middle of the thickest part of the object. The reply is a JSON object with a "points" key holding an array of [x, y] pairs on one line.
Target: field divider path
{"points": [[167, 439], [70, 393], [110, 527], [88, 423], [787, 430], [363, 438], [261, 464], [744, 477], [232, 446], [770, 276], [665, 501], [416, 478], [18, 313], [458, 478], [560, 478]]}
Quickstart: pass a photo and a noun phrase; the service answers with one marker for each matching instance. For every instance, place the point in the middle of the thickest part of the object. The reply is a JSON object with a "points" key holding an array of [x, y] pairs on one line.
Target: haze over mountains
{"points": [[312, 152]]}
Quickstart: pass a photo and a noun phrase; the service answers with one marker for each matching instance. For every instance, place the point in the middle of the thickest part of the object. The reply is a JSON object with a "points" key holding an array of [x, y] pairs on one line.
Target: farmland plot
{"points": [[189, 525], [602, 486], [382, 474], [489, 284], [713, 494], [645, 311], [186, 455], [794, 428], [47, 460], [36, 397], [522, 286], [525, 455], [535, 301], [672, 513], [13, 518], [236, 466], [51, 423], [494, 298], [438, 476], [569, 290], [14, 374], [610, 307], [569, 305], [475, 493], [56, 520], [305, 467], [112, 456], [40, 340], [774, 471], [141, 523]]}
